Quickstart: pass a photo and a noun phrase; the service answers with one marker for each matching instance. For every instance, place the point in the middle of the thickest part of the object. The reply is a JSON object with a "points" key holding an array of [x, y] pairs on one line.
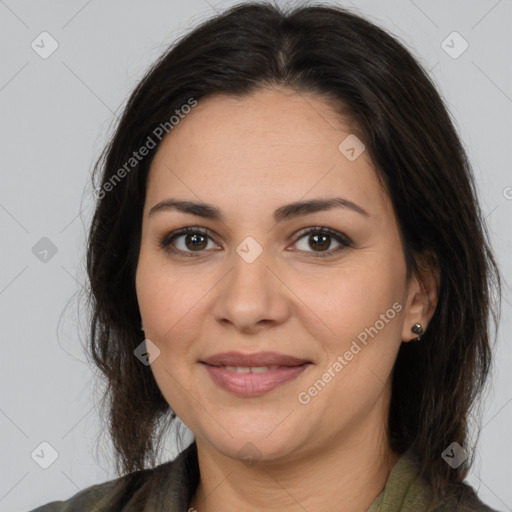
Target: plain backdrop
{"points": [[56, 113]]}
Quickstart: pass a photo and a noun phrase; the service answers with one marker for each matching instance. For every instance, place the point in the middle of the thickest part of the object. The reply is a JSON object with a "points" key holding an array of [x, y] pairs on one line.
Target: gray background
{"points": [[55, 117]]}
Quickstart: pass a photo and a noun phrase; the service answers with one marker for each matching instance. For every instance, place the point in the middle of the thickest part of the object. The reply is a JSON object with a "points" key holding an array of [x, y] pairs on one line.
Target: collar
{"points": [[405, 490]]}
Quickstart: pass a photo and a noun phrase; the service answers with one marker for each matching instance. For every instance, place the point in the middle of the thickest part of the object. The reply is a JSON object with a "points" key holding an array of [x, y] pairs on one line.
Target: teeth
{"points": [[251, 369]]}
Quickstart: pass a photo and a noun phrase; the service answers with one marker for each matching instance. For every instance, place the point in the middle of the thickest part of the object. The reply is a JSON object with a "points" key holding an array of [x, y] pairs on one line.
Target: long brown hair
{"points": [[418, 156]]}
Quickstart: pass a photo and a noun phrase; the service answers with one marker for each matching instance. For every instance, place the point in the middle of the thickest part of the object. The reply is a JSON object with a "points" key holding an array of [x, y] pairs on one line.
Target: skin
{"points": [[248, 157]]}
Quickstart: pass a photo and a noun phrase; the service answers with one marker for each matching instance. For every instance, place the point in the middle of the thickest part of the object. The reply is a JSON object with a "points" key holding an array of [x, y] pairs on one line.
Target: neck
{"points": [[351, 469]]}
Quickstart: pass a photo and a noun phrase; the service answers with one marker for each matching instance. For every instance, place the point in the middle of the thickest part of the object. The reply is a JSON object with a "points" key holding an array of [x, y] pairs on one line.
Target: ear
{"points": [[422, 295]]}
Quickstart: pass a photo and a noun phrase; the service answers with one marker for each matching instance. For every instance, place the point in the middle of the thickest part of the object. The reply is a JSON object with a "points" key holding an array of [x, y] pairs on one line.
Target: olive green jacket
{"points": [[170, 486]]}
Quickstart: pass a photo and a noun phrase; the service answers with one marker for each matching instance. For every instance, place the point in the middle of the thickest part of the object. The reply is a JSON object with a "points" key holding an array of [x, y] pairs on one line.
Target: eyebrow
{"points": [[282, 213]]}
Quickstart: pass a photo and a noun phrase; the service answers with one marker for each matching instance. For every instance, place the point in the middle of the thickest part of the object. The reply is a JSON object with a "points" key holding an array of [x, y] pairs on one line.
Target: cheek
{"points": [[161, 297], [362, 309], [356, 297], [166, 302], [152, 295], [171, 301]]}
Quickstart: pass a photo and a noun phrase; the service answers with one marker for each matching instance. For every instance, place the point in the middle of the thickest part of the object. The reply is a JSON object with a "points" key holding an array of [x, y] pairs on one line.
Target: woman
{"points": [[287, 213]]}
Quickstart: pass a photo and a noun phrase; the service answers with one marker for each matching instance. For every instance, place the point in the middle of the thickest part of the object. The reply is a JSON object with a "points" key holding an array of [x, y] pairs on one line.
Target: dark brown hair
{"points": [[406, 127]]}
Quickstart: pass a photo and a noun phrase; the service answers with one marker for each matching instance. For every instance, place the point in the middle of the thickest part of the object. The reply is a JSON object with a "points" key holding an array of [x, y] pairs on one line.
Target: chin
{"points": [[251, 438]]}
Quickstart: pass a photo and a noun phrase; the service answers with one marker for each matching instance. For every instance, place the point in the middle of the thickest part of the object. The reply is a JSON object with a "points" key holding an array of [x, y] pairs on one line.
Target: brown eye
{"points": [[186, 241], [195, 241], [319, 240]]}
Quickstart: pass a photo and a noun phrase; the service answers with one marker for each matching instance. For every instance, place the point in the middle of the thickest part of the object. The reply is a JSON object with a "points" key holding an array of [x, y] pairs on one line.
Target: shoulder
{"points": [[406, 491], [465, 500], [87, 500], [143, 489], [106, 496]]}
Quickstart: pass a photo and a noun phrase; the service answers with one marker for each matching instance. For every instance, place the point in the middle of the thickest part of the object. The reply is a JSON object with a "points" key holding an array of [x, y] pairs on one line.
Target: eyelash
{"points": [[168, 239]]}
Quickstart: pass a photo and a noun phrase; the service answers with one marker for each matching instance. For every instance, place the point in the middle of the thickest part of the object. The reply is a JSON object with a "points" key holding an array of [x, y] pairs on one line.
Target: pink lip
{"points": [[234, 358], [253, 384]]}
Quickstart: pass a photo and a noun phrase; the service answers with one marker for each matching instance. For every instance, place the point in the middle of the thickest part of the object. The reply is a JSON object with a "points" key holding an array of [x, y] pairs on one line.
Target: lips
{"points": [[250, 375], [256, 359]]}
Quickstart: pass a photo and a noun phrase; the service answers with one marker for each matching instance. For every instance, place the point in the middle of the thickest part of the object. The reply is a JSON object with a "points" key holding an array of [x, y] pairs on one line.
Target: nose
{"points": [[252, 296]]}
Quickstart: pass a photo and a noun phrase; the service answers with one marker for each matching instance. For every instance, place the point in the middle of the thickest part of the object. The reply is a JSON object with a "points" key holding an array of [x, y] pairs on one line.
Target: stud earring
{"points": [[417, 329]]}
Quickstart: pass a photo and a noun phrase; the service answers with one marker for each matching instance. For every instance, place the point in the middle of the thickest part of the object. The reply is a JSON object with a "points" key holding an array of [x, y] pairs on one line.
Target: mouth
{"points": [[248, 375], [252, 369], [254, 360]]}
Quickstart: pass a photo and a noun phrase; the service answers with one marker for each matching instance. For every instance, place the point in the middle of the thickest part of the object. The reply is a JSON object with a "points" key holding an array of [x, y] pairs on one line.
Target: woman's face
{"points": [[255, 281]]}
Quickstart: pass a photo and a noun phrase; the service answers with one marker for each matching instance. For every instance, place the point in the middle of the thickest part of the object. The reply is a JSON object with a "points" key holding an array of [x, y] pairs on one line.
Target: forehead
{"points": [[273, 146]]}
